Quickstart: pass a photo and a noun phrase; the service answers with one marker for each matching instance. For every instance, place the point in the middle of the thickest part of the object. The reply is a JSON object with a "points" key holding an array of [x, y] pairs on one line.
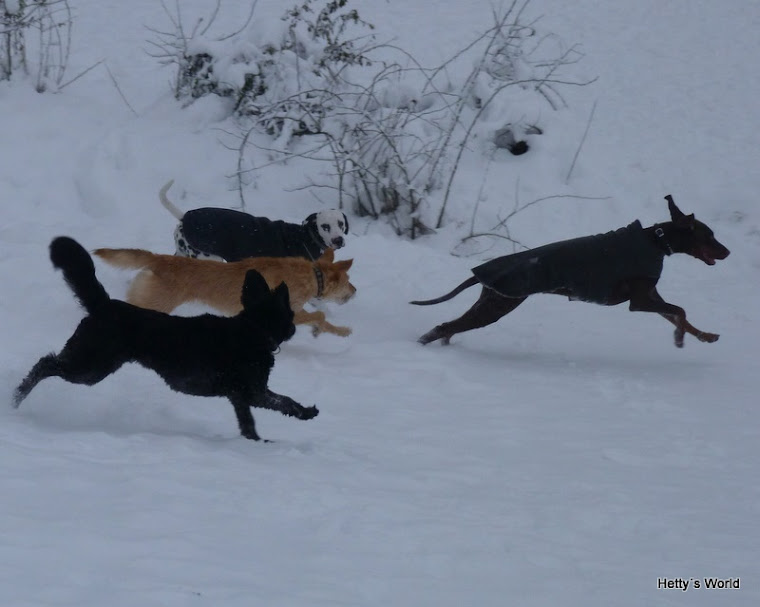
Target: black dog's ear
{"points": [[254, 289], [310, 219], [345, 220], [676, 215], [675, 212], [282, 294]]}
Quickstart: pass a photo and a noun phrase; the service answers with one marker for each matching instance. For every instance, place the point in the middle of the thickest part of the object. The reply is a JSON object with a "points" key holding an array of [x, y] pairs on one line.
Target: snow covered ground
{"points": [[568, 455]]}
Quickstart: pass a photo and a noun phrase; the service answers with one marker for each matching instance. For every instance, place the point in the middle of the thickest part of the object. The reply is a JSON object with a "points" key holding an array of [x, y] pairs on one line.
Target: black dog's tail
{"points": [[76, 264], [465, 285]]}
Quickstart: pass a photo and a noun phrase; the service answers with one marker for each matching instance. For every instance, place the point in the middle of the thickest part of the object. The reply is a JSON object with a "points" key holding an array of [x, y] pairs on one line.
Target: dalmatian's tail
{"points": [[168, 205]]}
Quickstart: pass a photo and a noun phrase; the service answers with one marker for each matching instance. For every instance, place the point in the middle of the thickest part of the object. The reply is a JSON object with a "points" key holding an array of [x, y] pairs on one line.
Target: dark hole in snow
{"points": [[511, 138], [519, 147]]}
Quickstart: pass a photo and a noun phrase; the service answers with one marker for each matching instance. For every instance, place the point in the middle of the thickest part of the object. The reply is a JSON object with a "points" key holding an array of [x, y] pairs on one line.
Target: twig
{"points": [[211, 19], [118, 89], [480, 191], [78, 76], [527, 205], [518, 209], [580, 145], [242, 27], [241, 151], [494, 235], [110, 74]]}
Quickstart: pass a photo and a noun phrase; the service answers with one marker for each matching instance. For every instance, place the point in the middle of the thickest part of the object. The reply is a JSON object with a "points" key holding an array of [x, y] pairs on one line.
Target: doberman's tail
{"points": [[465, 285], [79, 272]]}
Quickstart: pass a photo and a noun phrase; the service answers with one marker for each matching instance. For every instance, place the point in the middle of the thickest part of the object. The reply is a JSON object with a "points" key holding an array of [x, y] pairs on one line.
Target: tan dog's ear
{"points": [[328, 256], [344, 265]]}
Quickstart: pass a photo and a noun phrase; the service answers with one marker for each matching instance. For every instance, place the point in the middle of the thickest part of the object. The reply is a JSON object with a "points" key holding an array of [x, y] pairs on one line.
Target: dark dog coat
{"points": [[234, 235], [587, 268]]}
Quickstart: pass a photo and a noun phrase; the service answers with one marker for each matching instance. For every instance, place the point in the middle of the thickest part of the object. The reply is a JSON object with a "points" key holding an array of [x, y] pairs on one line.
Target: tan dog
{"points": [[166, 281]]}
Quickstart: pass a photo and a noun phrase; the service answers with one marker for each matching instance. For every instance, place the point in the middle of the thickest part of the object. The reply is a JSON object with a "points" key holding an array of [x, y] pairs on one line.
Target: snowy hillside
{"points": [[567, 455]]}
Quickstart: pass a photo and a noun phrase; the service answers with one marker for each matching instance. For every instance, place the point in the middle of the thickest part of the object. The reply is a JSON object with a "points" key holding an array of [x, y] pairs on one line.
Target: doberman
{"points": [[606, 269]]}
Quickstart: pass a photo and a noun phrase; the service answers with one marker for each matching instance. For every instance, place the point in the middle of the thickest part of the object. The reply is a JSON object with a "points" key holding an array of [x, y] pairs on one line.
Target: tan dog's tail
{"points": [[168, 205], [126, 258]]}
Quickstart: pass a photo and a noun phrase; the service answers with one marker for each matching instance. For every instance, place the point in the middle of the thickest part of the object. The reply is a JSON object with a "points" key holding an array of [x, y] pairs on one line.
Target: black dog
{"points": [[228, 235], [606, 269], [204, 355]]}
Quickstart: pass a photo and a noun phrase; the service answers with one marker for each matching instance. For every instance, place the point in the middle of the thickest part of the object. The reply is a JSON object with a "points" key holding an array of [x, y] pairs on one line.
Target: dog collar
{"points": [[660, 233], [319, 275]]}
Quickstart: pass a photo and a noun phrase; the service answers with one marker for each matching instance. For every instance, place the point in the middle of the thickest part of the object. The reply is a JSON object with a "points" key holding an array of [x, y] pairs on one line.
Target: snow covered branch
{"points": [[393, 132]]}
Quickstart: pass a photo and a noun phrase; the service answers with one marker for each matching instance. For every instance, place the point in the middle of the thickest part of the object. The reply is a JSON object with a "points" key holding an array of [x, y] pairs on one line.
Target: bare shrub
{"points": [[35, 39], [390, 132]]}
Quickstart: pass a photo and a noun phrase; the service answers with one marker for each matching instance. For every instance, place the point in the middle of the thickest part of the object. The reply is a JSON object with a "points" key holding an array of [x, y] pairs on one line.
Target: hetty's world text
{"points": [[684, 584]]}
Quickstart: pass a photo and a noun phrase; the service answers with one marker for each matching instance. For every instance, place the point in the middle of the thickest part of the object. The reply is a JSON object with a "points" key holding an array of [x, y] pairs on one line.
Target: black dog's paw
{"points": [[250, 434], [433, 335], [430, 336], [306, 413]]}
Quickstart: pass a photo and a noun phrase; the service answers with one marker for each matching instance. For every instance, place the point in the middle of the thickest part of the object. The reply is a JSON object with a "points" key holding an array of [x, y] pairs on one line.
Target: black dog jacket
{"points": [[587, 268], [247, 236]]}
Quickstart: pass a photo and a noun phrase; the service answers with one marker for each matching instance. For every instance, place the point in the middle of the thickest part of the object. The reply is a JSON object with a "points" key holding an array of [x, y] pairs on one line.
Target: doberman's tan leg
{"points": [[645, 298], [489, 308]]}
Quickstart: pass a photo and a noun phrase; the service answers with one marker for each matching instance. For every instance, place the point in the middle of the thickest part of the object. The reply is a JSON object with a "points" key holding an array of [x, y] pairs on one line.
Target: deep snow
{"points": [[568, 455]]}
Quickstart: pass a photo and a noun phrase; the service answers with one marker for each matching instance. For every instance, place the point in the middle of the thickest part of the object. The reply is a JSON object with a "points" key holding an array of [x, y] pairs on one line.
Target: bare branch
{"points": [[118, 89], [80, 74]]}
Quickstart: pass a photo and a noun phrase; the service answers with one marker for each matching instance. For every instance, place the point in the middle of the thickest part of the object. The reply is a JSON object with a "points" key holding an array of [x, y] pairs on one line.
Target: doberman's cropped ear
{"points": [[675, 212], [311, 219], [255, 288], [684, 221], [345, 224]]}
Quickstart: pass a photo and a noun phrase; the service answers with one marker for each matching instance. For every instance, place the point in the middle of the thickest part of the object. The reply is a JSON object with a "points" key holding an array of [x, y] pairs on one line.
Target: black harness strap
{"points": [[315, 240]]}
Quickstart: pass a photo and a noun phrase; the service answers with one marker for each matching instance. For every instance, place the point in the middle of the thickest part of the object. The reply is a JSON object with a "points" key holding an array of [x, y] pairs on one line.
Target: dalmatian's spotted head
{"points": [[330, 226]]}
